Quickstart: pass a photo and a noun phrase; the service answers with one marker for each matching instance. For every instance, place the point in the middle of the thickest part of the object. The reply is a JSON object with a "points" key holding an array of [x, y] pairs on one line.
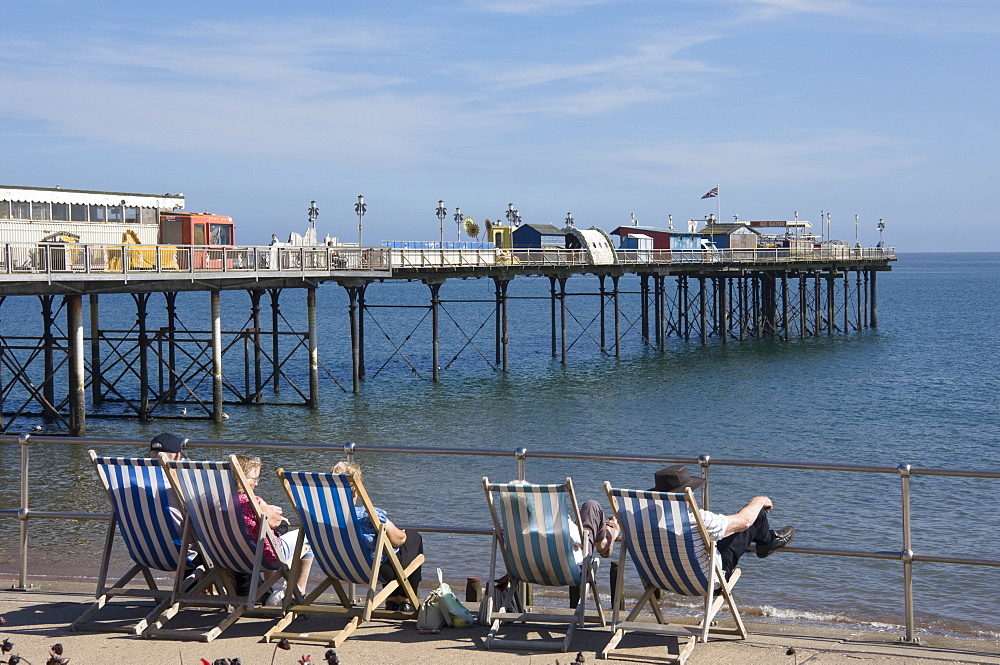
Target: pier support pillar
{"points": [[644, 294], [817, 287], [258, 386], [784, 307], [703, 302], [604, 299], [502, 322], [352, 309], [618, 319], [217, 356], [722, 287], [562, 317], [552, 302], [171, 307], [77, 390], [96, 376], [313, 349], [830, 304], [141, 311], [275, 348], [48, 359], [361, 330], [873, 300], [802, 306], [435, 288]]}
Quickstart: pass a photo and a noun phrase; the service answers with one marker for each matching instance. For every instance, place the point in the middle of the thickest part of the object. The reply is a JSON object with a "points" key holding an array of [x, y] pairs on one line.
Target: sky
{"points": [[884, 109]]}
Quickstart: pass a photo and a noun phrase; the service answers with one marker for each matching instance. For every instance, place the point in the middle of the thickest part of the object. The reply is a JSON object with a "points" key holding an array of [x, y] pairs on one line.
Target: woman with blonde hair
{"points": [[250, 466], [407, 543]]}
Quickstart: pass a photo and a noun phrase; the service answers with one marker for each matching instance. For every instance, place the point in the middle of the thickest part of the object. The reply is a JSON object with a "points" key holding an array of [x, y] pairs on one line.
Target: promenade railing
{"points": [[521, 458], [19, 259]]}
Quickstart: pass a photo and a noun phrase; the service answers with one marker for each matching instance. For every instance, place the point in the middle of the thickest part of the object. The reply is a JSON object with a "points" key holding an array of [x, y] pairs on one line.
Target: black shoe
{"points": [[391, 606], [406, 607], [778, 540]]}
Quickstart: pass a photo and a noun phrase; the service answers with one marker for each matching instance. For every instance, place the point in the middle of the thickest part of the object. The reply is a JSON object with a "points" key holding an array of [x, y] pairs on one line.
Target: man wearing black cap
{"points": [[170, 444], [734, 533]]}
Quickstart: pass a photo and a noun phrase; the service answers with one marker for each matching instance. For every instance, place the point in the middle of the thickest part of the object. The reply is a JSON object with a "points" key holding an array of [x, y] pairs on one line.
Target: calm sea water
{"points": [[921, 389]]}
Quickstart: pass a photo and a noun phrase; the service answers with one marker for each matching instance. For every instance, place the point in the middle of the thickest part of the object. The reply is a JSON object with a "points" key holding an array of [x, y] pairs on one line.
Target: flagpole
{"points": [[718, 202]]}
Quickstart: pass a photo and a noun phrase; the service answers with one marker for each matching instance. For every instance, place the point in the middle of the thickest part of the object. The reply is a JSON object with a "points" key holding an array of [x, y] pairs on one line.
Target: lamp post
{"points": [[881, 227], [458, 223], [511, 214], [360, 208], [313, 214], [569, 219], [635, 222], [442, 212]]}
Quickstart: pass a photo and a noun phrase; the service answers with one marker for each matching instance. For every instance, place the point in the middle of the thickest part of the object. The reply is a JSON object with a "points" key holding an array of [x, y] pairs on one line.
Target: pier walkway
{"points": [[38, 618]]}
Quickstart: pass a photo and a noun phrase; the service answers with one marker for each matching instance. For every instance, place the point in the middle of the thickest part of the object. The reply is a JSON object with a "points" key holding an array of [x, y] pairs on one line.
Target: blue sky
{"points": [[880, 108]]}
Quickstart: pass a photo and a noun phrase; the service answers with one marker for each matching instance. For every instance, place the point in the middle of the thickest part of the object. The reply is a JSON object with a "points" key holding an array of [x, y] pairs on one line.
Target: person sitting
{"points": [[407, 543], [250, 466], [733, 534]]}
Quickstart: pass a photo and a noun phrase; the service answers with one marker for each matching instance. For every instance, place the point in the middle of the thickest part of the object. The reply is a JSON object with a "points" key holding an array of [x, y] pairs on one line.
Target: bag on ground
{"points": [[455, 612], [430, 618]]}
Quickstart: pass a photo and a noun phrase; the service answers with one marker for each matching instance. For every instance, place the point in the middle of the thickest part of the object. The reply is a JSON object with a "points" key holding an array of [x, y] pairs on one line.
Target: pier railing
{"points": [[19, 259], [521, 457]]}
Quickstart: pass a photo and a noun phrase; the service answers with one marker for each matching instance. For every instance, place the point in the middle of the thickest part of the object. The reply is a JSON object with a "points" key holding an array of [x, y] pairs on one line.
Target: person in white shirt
{"points": [[733, 533]]}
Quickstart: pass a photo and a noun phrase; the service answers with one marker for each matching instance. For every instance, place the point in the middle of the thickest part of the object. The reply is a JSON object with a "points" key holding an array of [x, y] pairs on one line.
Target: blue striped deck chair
{"points": [[662, 533], [325, 504], [532, 528], [214, 520], [145, 511]]}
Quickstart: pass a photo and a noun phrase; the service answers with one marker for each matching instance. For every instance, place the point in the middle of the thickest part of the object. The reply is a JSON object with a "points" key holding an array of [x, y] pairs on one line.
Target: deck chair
{"points": [[214, 520], [532, 527], [147, 514], [662, 540], [325, 503]]}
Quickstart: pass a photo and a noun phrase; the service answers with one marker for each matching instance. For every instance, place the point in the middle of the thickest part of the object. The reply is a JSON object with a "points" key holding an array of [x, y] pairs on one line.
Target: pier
{"points": [[700, 295]]}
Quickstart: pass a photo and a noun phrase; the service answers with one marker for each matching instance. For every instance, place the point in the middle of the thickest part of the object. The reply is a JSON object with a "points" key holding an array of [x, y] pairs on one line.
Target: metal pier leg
{"points": [[77, 390], [141, 302], [802, 306], [171, 298], [847, 301], [496, 315], [703, 300], [741, 299], [96, 377], [258, 387], [352, 296], [604, 298], [361, 331], [830, 304], [48, 342], [857, 298], [865, 309], [505, 328], [275, 314], [722, 286], [618, 319], [313, 349], [817, 287], [435, 311], [644, 290], [784, 305], [216, 357], [874, 301], [562, 315], [552, 301], [683, 303]]}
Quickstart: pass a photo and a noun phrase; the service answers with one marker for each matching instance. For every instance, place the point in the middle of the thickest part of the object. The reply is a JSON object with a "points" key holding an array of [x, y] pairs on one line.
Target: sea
{"points": [[920, 389]]}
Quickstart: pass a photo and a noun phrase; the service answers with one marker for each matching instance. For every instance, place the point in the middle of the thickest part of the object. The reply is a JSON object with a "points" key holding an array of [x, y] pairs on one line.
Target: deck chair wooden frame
{"points": [[658, 535], [537, 548], [214, 520], [325, 504], [143, 507]]}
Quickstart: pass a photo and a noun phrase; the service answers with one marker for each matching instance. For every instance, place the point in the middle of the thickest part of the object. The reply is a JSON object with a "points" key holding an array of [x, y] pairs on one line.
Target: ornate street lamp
{"points": [[458, 223], [313, 214], [569, 219], [442, 212], [881, 227], [635, 222], [511, 214], [360, 208]]}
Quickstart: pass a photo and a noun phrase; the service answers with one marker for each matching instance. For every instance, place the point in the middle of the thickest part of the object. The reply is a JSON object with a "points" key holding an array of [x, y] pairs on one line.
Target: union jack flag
{"points": [[712, 193]]}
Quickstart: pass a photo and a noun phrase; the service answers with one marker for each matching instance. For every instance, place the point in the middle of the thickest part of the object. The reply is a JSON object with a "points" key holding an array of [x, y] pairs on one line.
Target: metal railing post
{"points": [[520, 454], [704, 461], [22, 514], [907, 554], [349, 451]]}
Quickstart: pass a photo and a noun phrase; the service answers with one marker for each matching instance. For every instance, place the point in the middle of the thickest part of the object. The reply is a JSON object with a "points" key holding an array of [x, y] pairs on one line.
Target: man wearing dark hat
{"points": [[170, 444], [733, 533]]}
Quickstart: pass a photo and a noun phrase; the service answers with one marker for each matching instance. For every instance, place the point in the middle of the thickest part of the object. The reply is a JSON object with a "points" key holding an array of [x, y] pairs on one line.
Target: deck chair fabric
{"points": [[214, 520], [666, 540], [326, 504], [537, 529], [147, 515]]}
